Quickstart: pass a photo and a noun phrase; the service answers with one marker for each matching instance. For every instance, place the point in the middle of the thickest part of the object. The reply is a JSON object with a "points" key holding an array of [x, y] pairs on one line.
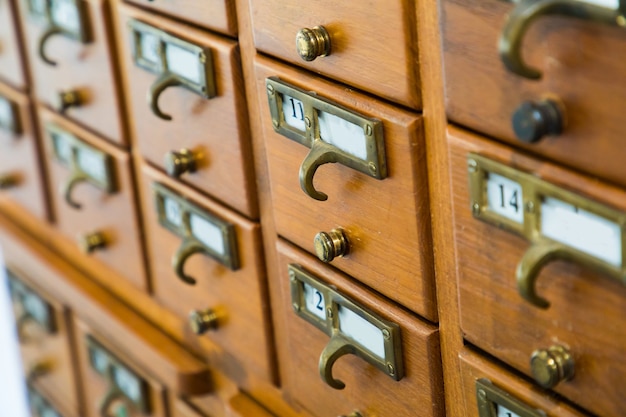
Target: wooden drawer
{"points": [[20, 173], [373, 48], [214, 130], [571, 53], [386, 222], [227, 268], [572, 258], [85, 71], [410, 347], [505, 392], [12, 67], [100, 213], [44, 330], [112, 381], [216, 15]]}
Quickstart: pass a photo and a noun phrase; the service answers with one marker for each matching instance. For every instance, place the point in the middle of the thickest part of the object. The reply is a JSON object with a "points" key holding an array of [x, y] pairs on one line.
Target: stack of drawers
{"points": [[257, 208]]}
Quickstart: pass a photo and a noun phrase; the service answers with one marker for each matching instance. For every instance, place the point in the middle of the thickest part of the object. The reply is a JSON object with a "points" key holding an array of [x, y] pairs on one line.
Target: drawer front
{"points": [[385, 221], [12, 68], [20, 176], [44, 331], [487, 387], [579, 301], [373, 48], [111, 383], [216, 15], [213, 131], [220, 257], [587, 83], [410, 347], [78, 76], [99, 215]]}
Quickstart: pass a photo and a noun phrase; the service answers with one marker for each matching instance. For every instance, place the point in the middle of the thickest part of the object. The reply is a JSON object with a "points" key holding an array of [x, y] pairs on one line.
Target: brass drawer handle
{"points": [[527, 11], [93, 241], [67, 99], [533, 120], [355, 413], [179, 162], [313, 43], [187, 248], [68, 187], [165, 81], [43, 40], [331, 245], [551, 366], [201, 321], [337, 347]]}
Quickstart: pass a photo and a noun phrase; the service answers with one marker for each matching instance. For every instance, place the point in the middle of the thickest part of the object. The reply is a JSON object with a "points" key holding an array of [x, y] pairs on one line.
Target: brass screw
{"points": [[386, 334], [482, 395], [368, 130], [530, 207], [307, 121], [202, 57], [296, 307], [372, 168], [391, 369], [92, 241], [270, 89], [275, 123], [201, 321], [476, 209], [472, 166], [329, 313]]}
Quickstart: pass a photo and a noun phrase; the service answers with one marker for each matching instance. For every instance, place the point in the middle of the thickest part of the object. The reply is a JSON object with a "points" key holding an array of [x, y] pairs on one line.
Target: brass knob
{"points": [[8, 181], [533, 120], [67, 99], [201, 321], [177, 163], [551, 366], [313, 43], [330, 245], [92, 241], [352, 414]]}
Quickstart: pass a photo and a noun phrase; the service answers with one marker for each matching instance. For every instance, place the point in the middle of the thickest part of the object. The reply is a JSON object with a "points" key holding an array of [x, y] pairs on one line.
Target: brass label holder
{"points": [[491, 398], [124, 384], [40, 406], [325, 308], [523, 211], [86, 162], [33, 307], [304, 127], [152, 50], [70, 17], [179, 216], [10, 116]]}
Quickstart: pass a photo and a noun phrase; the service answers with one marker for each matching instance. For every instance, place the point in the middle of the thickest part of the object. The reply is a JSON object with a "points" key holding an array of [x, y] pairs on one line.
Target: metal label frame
{"points": [[143, 405], [207, 87], [15, 124], [83, 34], [375, 164], [55, 133], [534, 190], [39, 405], [231, 256], [489, 397], [20, 291], [331, 326]]}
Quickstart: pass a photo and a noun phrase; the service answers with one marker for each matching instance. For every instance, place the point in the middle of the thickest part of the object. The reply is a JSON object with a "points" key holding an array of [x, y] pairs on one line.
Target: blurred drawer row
{"points": [[540, 256]]}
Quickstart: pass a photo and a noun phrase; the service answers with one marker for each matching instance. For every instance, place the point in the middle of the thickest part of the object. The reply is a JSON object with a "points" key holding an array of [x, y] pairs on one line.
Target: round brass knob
{"points": [[330, 245], [352, 414], [67, 99], [8, 181], [201, 321], [92, 241], [177, 163], [313, 43], [533, 120], [551, 366]]}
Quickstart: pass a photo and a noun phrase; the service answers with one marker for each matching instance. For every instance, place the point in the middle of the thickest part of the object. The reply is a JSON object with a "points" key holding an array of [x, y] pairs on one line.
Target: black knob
{"points": [[535, 119]]}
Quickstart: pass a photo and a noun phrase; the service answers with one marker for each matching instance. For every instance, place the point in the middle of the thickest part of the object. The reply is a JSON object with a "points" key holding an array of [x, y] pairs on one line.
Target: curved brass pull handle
{"points": [[527, 11], [51, 31], [336, 348], [113, 394], [535, 258], [186, 249], [75, 179], [165, 81], [321, 153]]}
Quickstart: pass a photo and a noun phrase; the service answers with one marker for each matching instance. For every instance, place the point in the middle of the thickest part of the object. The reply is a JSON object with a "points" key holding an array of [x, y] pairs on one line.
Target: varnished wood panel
{"points": [[586, 307], [216, 15], [89, 68], [474, 367], [20, 156], [12, 65], [238, 297], [387, 221], [373, 45], [114, 214], [216, 129], [368, 389], [242, 405], [577, 68]]}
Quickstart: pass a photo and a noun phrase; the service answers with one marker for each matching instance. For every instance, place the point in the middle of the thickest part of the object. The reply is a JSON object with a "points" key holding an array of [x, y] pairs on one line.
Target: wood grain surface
{"points": [[586, 308], [216, 129], [13, 68], [373, 45], [367, 390]]}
